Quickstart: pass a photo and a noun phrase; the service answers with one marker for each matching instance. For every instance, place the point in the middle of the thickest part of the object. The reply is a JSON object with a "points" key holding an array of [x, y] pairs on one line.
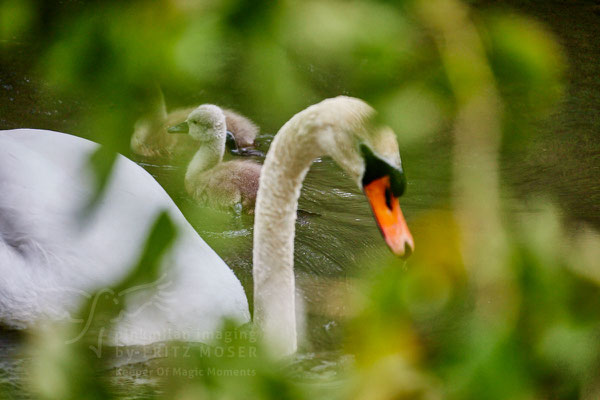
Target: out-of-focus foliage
{"points": [[528, 66], [525, 59], [546, 347], [267, 59], [15, 17], [435, 327]]}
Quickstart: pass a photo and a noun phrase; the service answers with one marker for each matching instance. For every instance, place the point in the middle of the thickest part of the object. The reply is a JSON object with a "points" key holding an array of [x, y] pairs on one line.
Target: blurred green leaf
{"points": [[16, 17]]}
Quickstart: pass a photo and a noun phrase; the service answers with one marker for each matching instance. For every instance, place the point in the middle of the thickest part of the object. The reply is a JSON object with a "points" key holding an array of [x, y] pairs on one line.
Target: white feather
{"points": [[50, 259]]}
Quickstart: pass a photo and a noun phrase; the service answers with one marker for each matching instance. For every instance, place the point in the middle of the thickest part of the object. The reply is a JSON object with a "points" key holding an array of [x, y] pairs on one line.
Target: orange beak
{"points": [[391, 222]]}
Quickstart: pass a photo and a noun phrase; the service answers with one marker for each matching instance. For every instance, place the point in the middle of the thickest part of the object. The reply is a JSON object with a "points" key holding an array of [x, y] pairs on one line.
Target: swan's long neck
{"points": [[208, 155], [285, 167], [327, 128]]}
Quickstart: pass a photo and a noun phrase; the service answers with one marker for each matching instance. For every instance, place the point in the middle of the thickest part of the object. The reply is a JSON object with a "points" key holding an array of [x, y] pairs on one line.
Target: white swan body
{"points": [[50, 260]]}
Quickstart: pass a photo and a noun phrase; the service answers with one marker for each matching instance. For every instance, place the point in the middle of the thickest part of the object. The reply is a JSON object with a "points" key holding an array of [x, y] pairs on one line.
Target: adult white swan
{"points": [[48, 257]]}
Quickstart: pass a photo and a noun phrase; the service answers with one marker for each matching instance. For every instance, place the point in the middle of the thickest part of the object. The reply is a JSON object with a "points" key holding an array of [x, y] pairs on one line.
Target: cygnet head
{"points": [[206, 123]]}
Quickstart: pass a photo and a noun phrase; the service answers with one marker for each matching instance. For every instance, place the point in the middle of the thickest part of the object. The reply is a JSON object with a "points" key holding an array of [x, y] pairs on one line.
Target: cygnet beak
{"points": [[180, 128]]}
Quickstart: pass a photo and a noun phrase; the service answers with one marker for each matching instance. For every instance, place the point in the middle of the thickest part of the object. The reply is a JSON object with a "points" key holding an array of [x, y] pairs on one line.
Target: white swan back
{"points": [[50, 259]]}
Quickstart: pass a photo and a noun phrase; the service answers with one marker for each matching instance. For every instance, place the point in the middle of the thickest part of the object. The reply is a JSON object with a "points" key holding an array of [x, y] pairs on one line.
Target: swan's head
{"points": [[206, 123], [368, 152]]}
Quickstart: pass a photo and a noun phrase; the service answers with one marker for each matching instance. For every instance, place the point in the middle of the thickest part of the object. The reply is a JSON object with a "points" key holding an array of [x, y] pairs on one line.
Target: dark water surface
{"points": [[335, 230], [563, 159]]}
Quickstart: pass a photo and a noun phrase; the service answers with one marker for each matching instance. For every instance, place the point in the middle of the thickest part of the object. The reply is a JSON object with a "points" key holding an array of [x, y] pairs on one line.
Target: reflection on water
{"points": [[12, 361]]}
